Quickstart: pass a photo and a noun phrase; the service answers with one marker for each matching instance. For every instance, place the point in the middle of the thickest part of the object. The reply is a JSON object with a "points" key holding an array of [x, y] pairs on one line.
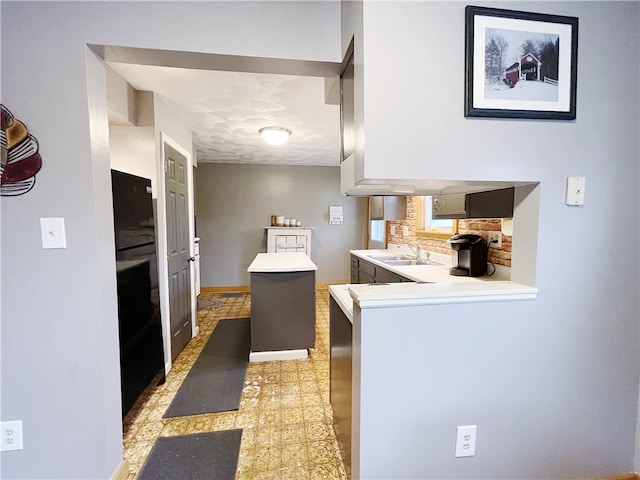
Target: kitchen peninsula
{"points": [[401, 349], [283, 306]]}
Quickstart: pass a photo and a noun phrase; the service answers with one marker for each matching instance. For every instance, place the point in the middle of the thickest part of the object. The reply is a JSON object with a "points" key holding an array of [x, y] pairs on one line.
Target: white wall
{"points": [[59, 336], [563, 369], [59, 318], [121, 100], [133, 150]]}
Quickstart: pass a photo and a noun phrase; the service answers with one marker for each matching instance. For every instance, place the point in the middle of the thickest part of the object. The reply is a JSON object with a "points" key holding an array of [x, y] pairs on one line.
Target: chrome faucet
{"points": [[418, 253]]}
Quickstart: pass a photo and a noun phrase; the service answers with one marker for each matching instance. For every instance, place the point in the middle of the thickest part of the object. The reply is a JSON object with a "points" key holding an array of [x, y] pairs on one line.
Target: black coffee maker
{"points": [[468, 255]]}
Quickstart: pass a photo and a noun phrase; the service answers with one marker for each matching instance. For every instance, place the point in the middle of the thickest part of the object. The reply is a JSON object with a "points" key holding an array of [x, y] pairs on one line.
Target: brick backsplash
{"points": [[478, 226]]}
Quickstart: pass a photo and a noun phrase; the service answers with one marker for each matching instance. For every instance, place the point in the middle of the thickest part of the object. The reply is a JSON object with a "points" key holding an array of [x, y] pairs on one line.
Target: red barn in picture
{"points": [[512, 74], [530, 67]]}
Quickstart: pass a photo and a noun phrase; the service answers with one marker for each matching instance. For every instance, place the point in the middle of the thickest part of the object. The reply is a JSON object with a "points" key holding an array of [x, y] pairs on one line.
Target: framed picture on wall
{"points": [[520, 64]]}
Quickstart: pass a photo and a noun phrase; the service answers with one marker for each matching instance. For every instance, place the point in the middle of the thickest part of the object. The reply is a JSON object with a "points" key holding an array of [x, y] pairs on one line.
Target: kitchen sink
{"points": [[402, 260], [386, 258]]}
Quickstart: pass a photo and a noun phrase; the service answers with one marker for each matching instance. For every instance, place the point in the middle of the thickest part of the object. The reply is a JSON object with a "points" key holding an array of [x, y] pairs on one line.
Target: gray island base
{"points": [[283, 306]]}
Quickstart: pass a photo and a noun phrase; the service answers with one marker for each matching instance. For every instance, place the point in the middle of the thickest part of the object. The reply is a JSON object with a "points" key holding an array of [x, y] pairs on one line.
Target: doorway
{"points": [[179, 258], [176, 277]]}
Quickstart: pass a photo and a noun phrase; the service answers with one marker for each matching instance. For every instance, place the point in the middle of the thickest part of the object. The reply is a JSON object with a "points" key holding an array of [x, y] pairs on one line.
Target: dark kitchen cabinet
{"points": [[365, 272], [283, 310], [386, 276], [354, 269], [341, 342]]}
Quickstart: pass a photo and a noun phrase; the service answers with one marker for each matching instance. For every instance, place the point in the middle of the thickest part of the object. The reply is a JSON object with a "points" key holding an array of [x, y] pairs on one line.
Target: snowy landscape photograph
{"points": [[520, 64]]}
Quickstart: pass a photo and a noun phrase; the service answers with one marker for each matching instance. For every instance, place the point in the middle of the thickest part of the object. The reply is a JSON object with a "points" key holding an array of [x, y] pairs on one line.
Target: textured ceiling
{"points": [[225, 110]]}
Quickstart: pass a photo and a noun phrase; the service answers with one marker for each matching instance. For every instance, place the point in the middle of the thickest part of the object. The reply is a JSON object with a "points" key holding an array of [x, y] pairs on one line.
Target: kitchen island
{"points": [[413, 370], [283, 306]]}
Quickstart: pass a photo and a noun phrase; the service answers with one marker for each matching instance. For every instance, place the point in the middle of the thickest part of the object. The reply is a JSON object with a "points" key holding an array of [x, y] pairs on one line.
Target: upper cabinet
{"points": [[388, 208], [376, 208], [492, 204]]}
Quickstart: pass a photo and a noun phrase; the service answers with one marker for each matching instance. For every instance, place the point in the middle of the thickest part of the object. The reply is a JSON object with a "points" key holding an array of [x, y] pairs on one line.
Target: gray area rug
{"points": [[209, 303], [211, 455], [215, 382], [232, 294]]}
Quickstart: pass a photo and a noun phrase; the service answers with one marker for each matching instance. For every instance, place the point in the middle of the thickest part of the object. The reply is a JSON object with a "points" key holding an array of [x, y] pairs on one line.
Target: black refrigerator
{"points": [[139, 321]]}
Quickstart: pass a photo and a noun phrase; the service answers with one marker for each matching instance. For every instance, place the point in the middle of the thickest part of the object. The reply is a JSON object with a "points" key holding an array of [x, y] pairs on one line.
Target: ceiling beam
{"points": [[214, 61]]}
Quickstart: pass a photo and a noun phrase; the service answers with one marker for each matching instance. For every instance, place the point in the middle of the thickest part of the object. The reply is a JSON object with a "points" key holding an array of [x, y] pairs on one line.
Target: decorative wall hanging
{"points": [[19, 160], [520, 65]]}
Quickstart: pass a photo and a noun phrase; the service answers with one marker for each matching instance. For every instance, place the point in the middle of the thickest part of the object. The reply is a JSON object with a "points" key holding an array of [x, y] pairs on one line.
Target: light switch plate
{"points": [[53, 234]]}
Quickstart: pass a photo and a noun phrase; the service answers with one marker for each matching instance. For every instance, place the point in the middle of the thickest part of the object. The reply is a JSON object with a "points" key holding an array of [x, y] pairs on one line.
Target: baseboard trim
{"points": [[247, 288], [626, 476], [278, 355], [122, 473], [237, 288]]}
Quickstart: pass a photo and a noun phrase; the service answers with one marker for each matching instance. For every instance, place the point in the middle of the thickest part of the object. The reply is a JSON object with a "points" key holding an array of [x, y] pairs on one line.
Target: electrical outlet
{"points": [[11, 435], [405, 231], [393, 229], [466, 441], [497, 236]]}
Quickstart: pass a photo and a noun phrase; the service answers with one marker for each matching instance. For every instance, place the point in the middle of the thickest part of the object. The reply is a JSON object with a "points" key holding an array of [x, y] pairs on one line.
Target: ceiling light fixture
{"points": [[274, 135]]}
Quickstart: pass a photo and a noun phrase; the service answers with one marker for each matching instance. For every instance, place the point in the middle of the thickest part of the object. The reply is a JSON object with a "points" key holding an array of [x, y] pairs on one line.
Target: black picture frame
{"points": [[503, 79]]}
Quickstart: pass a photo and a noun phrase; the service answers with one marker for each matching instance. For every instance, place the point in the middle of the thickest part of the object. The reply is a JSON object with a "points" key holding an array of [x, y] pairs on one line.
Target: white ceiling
{"points": [[225, 110]]}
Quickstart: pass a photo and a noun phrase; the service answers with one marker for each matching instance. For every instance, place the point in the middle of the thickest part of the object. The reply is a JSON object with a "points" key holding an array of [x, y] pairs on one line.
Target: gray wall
{"points": [[59, 338], [60, 367], [551, 384], [235, 202]]}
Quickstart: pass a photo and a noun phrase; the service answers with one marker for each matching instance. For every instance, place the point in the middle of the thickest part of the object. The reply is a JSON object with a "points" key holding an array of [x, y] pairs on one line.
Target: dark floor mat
{"points": [[215, 382], [232, 294], [211, 455], [209, 303]]}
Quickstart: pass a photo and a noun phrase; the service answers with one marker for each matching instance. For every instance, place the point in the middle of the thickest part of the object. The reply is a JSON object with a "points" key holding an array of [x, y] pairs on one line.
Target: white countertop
{"points": [[294, 227], [438, 272], [342, 296], [405, 294], [282, 262], [445, 288]]}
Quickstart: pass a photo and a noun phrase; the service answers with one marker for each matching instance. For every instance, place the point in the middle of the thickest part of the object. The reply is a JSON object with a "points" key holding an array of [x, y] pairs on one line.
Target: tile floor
{"points": [[284, 410]]}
